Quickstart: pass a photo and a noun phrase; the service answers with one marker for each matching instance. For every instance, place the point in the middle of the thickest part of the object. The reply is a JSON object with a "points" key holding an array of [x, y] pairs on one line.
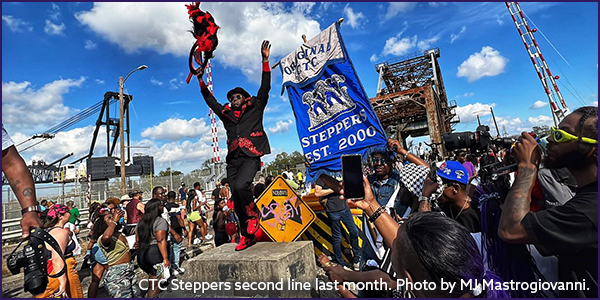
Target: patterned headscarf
{"points": [[57, 210]]}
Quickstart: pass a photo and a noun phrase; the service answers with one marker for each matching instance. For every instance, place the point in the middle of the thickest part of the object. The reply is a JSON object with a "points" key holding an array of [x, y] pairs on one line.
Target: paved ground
{"points": [[12, 285]]}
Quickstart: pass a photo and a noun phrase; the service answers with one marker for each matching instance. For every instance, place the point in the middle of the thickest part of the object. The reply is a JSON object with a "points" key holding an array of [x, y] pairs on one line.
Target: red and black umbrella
{"points": [[205, 32]]}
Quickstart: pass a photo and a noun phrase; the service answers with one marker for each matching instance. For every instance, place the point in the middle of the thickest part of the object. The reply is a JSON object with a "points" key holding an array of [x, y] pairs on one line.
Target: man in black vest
{"points": [[246, 143]]}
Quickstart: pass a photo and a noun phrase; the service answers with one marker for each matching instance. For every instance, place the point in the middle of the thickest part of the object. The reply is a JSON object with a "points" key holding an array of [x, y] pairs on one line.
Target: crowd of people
{"points": [[454, 220], [426, 218]]}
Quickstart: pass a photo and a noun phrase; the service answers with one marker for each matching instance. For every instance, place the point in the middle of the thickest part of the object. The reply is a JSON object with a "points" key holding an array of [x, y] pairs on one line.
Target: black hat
{"points": [[238, 90]]}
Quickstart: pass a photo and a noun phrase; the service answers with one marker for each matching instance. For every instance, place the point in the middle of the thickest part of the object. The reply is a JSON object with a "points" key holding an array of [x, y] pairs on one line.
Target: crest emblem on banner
{"points": [[327, 100]]}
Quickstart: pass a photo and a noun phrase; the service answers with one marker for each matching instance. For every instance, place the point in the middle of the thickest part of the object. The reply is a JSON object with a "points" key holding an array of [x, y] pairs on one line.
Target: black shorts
{"points": [[149, 256]]}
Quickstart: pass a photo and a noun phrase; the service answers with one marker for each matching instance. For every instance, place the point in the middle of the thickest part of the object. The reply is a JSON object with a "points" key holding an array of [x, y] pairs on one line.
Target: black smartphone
{"points": [[352, 177]]}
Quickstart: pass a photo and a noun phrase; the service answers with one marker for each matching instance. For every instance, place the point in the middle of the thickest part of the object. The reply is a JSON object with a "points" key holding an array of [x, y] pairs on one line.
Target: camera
{"points": [[477, 141], [35, 279]]}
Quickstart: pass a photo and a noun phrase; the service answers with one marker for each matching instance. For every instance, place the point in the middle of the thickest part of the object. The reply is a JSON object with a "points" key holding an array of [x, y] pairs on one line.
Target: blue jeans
{"points": [[174, 253], [345, 216]]}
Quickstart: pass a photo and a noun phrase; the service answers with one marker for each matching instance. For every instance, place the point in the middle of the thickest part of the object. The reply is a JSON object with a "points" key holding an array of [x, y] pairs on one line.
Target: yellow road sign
{"points": [[283, 214]]}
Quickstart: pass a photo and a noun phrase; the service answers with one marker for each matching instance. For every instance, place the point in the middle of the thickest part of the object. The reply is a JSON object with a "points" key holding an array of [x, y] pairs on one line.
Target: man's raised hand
{"points": [[265, 50]]}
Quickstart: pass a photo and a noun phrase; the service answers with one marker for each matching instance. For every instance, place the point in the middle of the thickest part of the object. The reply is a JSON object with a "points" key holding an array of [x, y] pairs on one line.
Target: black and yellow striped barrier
{"points": [[319, 232]]}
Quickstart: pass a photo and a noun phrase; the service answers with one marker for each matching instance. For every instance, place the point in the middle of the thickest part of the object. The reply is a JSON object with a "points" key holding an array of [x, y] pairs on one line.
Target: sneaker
{"points": [[208, 236], [181, 270], [346, 268], [245, 242], [197, 241], [356, 267], [253, 225], [175, 272]]}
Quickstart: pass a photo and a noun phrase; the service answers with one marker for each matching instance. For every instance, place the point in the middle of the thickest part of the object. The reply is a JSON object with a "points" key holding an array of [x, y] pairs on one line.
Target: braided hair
{"points": [[589, 128]]}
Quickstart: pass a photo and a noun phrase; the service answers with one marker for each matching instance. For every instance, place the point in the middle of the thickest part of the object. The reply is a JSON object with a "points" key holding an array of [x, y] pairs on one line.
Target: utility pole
{"points": [[121, 136], [122, 126]]}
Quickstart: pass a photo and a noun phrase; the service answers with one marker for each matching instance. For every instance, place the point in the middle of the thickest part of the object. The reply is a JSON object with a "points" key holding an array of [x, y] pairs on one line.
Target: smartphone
{"points": [[352, 177]]}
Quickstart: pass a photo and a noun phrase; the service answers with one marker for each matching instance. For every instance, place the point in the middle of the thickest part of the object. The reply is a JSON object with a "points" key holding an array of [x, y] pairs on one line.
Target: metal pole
{"points": [[495, 124], [478, 121], [171, 173], [121, 137]]}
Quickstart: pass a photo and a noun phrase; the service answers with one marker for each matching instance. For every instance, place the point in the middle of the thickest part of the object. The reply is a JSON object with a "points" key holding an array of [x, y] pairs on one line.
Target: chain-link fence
{"points": [[102, 190]]}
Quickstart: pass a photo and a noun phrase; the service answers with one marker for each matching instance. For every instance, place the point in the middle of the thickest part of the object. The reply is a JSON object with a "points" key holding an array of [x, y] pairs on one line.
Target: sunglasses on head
{"points": [[561, 136], [236, 97]]}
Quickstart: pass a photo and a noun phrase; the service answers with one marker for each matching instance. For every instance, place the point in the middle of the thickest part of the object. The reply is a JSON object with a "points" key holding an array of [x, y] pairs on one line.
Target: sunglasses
{"points": [[561, 136], [379, 160], [236, 97]]}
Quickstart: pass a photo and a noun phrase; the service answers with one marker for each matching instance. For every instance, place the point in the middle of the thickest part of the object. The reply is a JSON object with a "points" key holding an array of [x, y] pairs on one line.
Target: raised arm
{"points": [[397, 147], [517, 203], [211, 101], [262, 97]]}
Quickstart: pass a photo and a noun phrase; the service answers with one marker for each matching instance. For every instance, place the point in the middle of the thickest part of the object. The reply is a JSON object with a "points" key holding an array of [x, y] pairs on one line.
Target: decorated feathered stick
{"points": [[205, 33]]}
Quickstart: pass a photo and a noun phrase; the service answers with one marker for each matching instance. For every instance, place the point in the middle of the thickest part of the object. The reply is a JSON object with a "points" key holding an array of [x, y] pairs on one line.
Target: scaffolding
{"points": [[411, 99]]}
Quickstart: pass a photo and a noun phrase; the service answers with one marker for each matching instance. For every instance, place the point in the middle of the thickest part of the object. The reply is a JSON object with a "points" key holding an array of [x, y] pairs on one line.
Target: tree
{"points": [[167, 172], [541, 131], [282, 160]]}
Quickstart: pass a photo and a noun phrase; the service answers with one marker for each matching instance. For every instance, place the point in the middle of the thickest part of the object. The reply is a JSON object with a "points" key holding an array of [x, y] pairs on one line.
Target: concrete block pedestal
{"points": [[291, 265]]}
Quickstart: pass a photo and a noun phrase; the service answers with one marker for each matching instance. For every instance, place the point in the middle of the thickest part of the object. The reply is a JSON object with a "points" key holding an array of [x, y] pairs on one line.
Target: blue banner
{"points": [[333, 113]]}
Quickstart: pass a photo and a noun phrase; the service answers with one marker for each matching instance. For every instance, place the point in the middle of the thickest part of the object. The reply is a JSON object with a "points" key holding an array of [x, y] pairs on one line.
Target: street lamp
{"points": [[121, 126]]}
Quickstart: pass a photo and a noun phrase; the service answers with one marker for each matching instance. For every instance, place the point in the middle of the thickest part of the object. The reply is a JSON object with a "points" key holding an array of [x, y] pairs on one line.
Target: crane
{"points": [[541, 67]]}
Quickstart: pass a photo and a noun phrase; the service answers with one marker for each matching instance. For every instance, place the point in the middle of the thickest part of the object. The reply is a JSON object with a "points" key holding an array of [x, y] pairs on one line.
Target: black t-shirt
{"points": [[173, 210], [571, 232], [215, 193], [334, 203], [468, 217]]}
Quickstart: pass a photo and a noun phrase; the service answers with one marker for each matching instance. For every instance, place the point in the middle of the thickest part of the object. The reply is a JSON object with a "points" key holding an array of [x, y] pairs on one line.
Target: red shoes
{"points": [[245, 242], [253, 225]]}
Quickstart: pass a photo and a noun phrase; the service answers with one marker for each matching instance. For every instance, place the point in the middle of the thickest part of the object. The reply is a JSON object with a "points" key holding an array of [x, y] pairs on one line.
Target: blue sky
{"points": [[60, 58]]}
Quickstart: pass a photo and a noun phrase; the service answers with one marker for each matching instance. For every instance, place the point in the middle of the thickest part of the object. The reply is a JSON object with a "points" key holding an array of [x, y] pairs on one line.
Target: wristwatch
{"points": [[34, 208], [423, 198]]}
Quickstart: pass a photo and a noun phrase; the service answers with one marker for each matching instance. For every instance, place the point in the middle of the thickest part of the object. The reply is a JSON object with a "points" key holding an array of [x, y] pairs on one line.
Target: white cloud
{"points": [[454, 37], [397, 7], [399, 46], [54, 13], [469, 112], [76, 141], [538, 104], [303, 7], [280, 127], [174, 129], [156, 82], [354, 19], [487, 62], [54, 29], [466, 95], [426, 44], [540, 120], [373, 58], [243, 27], [90, 45], [43, 107], [437, 4], [594, 103], [100, 81], [499, 20], [177, 82], [16, 24]]}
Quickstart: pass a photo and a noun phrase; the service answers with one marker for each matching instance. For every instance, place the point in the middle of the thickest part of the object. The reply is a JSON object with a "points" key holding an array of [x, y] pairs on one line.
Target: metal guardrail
{"points": [[16, 233]]}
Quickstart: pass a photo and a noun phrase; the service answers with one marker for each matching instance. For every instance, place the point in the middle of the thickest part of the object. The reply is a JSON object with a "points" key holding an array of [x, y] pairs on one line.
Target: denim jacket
{"points": [[383, 192]]}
